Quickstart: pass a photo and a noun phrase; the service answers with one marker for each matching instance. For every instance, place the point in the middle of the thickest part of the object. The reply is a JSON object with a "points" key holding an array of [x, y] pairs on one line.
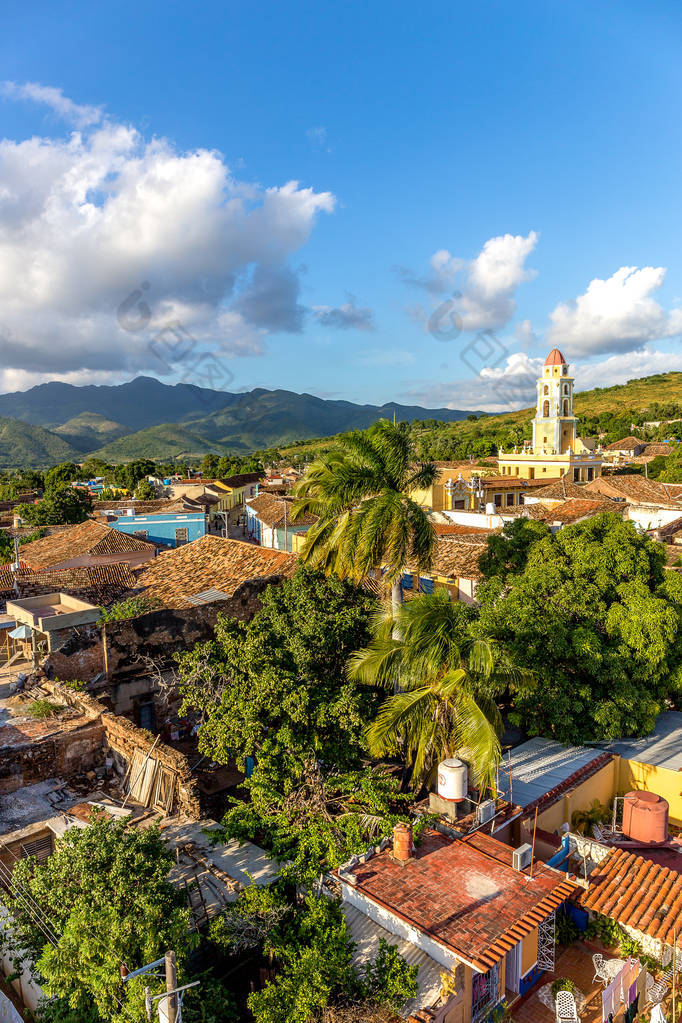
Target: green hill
{"points": [[606, 412], [90, 430], [22, 444], [165, 442], [212, 421]]}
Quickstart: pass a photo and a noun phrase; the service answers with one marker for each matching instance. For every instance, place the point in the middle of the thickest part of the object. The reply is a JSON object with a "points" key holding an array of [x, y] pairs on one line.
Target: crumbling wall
{"points": [[76, 655], [157, 635], [126, 649], [121, 738], [76, 748]]}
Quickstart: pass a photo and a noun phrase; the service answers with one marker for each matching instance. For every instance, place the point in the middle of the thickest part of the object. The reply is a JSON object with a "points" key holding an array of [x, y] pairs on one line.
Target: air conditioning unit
{"points": [[522, 857], [485, 811]]}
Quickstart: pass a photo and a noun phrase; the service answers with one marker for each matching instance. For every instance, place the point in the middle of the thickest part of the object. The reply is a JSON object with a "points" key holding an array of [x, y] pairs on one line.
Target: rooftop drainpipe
{"points": [[562, 854]]}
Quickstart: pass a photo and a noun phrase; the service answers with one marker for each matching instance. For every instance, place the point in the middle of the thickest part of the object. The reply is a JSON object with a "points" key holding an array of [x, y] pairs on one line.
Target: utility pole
{"points": [[171, 985]]}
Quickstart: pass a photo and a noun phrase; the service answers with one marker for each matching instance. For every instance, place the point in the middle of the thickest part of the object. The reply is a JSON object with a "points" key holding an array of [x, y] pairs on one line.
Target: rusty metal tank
{"points": [[645, 817]]}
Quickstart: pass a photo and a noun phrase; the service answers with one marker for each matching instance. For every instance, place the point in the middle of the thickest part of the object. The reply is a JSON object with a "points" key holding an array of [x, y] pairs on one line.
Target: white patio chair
{"points": [[600, 973], [565, 1008]]}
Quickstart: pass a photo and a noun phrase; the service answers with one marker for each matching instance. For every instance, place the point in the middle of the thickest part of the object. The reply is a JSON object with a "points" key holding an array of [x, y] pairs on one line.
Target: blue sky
{"points": [[516, 165]]}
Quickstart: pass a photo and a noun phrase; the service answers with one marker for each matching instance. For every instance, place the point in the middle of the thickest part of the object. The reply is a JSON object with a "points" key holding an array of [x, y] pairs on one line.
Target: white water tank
{"points": [[452, 780], [490, 508]]}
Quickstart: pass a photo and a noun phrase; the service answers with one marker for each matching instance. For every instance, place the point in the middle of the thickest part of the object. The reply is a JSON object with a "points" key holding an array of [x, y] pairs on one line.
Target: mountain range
{"points": [[146, 418]]}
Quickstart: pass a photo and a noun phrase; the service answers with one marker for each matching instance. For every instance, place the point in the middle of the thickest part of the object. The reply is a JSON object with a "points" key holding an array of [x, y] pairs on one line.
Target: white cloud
{"points": [[348, 316], [615, 315], [87, 220], [74, 113], [511, 384], [485, 297], [618, 369]]}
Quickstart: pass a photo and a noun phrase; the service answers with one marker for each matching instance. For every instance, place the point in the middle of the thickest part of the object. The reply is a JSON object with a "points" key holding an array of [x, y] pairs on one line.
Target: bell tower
{"points": [[554, 425]]}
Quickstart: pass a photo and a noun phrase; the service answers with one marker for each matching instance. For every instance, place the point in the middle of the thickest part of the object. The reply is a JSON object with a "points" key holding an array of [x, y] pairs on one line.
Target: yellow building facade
{"points": [[556, 450]]}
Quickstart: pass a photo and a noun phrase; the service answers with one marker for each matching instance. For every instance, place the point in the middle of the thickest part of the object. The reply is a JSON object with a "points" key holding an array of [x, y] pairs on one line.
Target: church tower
{"points": [[554, 426], [556, 449]]}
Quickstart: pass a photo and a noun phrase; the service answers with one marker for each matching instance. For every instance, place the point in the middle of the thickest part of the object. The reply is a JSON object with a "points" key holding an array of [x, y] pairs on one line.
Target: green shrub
{"points": [[130, 608], [563, 984], [43, 709], [567, 930]]}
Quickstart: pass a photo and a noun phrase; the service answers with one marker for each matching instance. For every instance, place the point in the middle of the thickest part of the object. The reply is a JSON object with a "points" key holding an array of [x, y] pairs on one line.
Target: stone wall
{"points": [[125, 649], [120, 738], [75, 748]]}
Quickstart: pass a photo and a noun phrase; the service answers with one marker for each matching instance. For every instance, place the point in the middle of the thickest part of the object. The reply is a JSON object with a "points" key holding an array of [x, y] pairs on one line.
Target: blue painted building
{"points": [[172, 529]]}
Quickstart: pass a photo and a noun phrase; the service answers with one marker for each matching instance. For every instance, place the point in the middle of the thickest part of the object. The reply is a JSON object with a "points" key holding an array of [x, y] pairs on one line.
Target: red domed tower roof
{"points": [[555, 358]]}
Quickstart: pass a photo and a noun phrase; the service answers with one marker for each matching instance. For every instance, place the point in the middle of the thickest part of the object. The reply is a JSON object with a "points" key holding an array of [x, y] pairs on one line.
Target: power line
{"points": [[33, 914]]}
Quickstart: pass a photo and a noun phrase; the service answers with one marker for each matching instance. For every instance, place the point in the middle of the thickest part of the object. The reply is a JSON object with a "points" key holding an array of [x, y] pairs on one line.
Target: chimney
{"points": [[402, 842]]}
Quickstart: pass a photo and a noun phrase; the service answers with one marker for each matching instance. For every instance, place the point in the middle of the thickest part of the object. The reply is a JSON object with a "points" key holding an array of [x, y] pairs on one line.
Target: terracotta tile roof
{"points": [[625, 444], [241, 479], [638, 893], [440, 529], [88, 537], [211, 562], [464, 894], [456, 557], [560, 490], [670, 528], [161, 504], [635, 489], [580, 508], [269, 508], [98, 583], [657, 449]]}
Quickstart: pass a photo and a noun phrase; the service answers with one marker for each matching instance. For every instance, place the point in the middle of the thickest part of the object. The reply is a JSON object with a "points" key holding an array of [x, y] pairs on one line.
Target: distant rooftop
{"points": [[663, 748]]}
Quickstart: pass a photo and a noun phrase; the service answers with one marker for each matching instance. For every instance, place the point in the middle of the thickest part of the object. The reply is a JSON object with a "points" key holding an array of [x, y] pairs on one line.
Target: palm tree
{"points": [[445, 685], [367, 521]]}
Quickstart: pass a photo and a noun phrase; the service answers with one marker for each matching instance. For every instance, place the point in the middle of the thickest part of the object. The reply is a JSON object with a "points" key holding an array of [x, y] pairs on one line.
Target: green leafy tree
{"points": [[29, 480], [61, 475], [145, 491], [594, 618], [275, 688], [209, 464], [60, 505], [311, 946], [102, 898], [367, 520], [445, 685], [507, 552], [6, 547]]}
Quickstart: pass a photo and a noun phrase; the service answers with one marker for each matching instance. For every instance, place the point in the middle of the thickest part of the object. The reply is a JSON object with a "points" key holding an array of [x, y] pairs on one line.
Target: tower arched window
{"points": [[546, 389], [565, 406], [545, 409]]}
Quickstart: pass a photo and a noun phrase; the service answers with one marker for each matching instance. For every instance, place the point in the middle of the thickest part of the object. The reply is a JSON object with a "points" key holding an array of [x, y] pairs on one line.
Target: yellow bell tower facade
{"points": [[556, 449], [554, 426]]}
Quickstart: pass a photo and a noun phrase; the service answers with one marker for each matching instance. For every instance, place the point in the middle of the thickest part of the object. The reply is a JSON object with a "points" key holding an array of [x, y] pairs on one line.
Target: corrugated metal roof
{"points": [[663, 748], [366, 934], [539, 765]]}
